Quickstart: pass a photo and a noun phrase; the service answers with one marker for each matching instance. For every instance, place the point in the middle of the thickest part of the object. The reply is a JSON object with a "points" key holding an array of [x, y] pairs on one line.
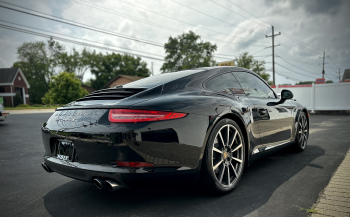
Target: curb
{"points": [[334, 200], [29, 111]]}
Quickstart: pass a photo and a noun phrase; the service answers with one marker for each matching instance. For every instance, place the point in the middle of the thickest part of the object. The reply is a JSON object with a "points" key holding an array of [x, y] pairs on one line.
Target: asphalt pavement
{"points": [[283, 184]]}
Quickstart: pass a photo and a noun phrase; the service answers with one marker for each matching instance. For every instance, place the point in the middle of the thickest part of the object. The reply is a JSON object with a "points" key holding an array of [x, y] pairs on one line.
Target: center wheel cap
{"points": [[225, 155]]}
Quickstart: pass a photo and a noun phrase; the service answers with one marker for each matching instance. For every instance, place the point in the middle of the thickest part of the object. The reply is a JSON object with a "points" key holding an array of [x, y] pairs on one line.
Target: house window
{"points": [[19, 78], [2, 89]]}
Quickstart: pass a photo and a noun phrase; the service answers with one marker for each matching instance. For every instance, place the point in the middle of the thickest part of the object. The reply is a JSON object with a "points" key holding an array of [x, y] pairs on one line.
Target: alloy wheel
{"points": [[227, 155], [303, 131]]}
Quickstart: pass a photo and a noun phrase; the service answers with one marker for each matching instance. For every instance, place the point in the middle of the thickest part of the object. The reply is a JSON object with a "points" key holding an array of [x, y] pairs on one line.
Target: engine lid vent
{"points": [[112, 93]]}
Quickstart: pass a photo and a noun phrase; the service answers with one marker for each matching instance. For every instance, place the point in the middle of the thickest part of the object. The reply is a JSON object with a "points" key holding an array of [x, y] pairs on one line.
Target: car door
{"points": [[275, 121], [227, 85]]}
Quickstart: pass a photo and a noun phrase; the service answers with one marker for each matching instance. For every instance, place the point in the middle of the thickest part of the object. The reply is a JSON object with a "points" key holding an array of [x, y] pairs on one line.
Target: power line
{"points": [[294, 71], [79, 25], [142, 20], [71, 41], [297, 66], [250, 13], [80, 38], [83, 43], [181, 21], [215, 18], [238, 14]]}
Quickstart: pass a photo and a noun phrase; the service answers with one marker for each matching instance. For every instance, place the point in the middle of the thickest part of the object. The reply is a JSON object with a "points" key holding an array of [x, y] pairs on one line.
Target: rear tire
{"points": [[224, 158], [302, 133]]}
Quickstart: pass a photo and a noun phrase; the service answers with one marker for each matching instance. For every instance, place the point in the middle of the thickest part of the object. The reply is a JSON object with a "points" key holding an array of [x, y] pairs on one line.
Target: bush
{"points": [[64, 88], [23, 105], [17, 100]]}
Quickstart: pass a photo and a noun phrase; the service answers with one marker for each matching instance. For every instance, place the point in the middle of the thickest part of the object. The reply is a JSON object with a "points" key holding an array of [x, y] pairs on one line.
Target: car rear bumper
{"points": [[129, 177], [3, 115]]}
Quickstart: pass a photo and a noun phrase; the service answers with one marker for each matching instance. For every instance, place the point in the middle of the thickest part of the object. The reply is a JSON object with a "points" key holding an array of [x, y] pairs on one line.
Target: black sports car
{"points": [[203, 126]]}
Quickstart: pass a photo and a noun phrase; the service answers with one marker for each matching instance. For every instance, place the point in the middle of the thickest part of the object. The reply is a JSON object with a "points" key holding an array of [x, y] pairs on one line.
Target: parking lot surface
{"points": [[283, 184]]}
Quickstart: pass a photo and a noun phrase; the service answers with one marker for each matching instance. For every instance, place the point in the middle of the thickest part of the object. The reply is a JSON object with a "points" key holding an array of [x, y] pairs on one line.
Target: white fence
{"points": [[318, 97]]}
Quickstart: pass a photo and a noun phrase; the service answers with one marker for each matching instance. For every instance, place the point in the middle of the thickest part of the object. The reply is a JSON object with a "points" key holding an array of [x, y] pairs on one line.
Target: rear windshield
{"points": [[160, 79]]}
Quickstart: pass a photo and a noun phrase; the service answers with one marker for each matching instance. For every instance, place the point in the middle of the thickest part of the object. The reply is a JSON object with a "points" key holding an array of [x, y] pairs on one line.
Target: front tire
{"points": [[224, 158], [302, 134]]}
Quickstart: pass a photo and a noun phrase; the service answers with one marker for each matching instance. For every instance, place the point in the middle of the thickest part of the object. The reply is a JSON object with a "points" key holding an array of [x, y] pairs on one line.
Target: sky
{"points": [[308, 28]]}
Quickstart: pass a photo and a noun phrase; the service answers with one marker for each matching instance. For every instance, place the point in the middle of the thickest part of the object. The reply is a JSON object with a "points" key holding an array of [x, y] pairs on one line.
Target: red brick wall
{"points": [[20, 83], [7, 101]]}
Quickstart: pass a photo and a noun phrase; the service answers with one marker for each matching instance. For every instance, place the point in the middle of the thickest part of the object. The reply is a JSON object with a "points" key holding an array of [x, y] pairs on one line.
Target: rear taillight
{"points": [[135, 116], [134, 164]]}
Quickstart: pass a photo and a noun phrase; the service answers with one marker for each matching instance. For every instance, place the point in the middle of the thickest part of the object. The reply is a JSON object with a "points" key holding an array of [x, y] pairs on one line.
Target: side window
{"points": [[225, 83], [253, 86]]}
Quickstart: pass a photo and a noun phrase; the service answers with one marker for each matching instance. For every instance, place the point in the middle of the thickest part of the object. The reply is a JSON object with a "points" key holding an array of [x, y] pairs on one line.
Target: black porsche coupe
{"points": [[202, 126]]}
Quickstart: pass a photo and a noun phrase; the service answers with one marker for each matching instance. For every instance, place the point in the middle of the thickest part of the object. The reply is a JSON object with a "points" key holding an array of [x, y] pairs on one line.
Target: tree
{"points": [[310, 82], [187, 51], [247, 61], [76, 62], [305, 82], [106, 67], [64, 88], [38, 61]]}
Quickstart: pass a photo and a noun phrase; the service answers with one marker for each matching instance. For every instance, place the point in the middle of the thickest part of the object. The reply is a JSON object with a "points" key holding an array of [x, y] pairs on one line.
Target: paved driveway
{"points": [[278, 185]]}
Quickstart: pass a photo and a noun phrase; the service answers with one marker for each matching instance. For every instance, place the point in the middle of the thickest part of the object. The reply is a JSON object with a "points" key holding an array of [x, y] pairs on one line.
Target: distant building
{"points": [[121, 79], [87, 88], [13, 83], [346, 75]]}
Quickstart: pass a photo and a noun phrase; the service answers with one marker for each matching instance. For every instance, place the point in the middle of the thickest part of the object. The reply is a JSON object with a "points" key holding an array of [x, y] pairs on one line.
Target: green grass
{"points": [[312, 210], [32, 107]]}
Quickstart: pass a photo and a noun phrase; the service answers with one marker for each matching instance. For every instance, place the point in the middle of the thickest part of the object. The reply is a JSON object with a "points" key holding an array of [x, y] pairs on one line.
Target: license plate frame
{"points": [[65, 150]]}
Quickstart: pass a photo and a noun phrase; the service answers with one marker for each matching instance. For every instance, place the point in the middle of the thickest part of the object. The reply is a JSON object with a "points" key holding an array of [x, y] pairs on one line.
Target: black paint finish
{"points": [[174, 146]]}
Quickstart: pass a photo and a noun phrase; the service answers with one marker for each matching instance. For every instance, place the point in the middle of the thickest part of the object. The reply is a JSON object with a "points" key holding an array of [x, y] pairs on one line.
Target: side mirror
{"points": [[285, 94]]}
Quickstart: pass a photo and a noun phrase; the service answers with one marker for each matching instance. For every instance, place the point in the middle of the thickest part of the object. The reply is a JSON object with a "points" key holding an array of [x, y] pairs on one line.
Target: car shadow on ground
{"points": [[77, 198]]}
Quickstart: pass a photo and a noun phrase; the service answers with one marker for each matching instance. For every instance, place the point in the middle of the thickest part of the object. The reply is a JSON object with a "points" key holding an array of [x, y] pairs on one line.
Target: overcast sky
{"points": [[308, 27]]}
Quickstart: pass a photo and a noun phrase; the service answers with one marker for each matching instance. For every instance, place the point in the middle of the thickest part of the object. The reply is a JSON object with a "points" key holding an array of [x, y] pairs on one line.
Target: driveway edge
{"points": [[334, 200]]}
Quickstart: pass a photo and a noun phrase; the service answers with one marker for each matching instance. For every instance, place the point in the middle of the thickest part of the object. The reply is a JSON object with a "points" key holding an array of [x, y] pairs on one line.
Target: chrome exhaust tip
{"points": [[46, 168], [112, 185], [98, 183]]}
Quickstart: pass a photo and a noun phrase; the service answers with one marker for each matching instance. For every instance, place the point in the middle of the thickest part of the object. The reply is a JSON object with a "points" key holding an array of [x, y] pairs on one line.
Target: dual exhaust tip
{"points": [[99, 183], [110, 184], [46, 168]]}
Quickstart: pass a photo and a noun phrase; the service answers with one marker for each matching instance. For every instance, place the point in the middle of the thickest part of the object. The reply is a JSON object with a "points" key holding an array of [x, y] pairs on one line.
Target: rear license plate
{"points": [[65, 150]]}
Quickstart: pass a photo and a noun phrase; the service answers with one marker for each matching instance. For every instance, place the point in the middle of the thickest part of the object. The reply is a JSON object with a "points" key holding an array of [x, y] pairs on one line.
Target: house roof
{"points": [[131, 78], [8, 75], [346, 75]]}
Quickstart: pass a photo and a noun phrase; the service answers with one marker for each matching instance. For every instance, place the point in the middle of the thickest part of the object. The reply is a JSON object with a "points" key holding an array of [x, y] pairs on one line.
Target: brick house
{"points": [[121, 79], [12, 83]]}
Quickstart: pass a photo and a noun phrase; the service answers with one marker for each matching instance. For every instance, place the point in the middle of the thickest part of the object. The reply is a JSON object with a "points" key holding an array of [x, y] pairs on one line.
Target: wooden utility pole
{"points": [[273, 52], [152, 68], [324, 56]]}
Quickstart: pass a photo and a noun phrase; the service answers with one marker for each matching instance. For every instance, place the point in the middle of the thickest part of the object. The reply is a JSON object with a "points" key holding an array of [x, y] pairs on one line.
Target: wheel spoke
{"points": [[228, 175], [221, 174], [218, 164], [217, 150], [304, 122], [234, 170], [300, 131], [234, 138], [305, 139], [222, 140], [240, 145], [228, 134], [236, 159]]}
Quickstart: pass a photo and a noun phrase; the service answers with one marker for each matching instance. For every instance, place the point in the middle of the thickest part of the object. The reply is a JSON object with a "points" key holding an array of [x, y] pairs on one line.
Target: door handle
{"points": [[262, 112]]}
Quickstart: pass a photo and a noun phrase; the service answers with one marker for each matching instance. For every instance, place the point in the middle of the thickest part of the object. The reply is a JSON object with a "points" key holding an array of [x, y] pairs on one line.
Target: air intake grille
{"points": [[112, 93]]}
